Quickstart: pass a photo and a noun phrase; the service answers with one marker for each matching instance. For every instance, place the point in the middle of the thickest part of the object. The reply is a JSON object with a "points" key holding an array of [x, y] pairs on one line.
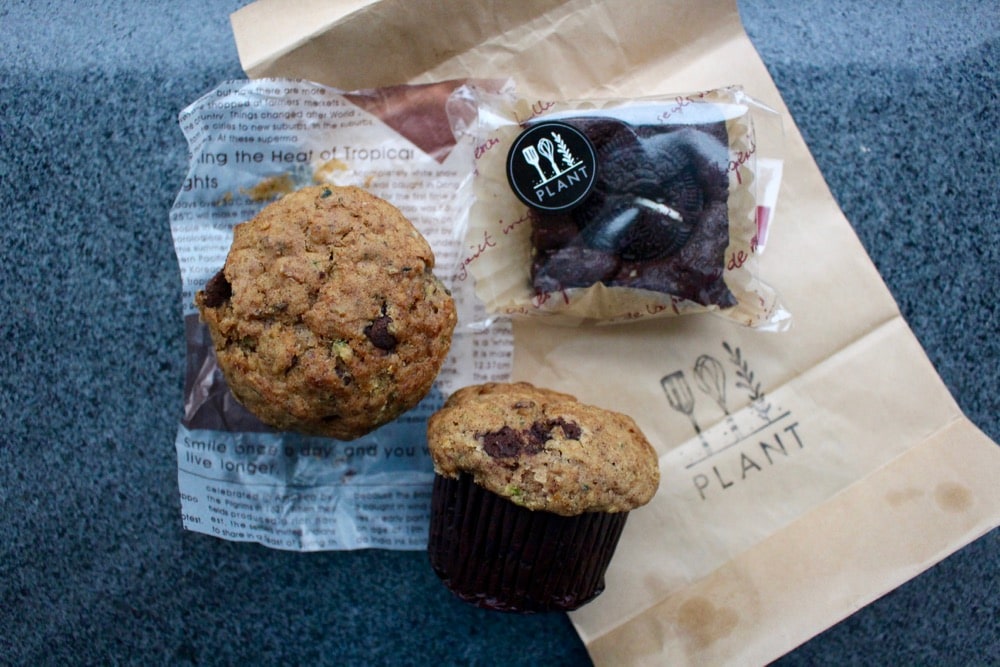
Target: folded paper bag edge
{"points": [[272, 40], [266, 30]]}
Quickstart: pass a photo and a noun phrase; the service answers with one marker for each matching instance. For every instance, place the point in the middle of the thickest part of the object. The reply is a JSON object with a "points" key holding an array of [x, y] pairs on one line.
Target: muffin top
{"points": [[543, 450], [327, 318]]}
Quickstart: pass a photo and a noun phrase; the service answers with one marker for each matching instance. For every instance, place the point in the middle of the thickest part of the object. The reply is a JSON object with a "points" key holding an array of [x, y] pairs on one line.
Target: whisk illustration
{"points": [[711, 379], [546, 148], [681, 398]]}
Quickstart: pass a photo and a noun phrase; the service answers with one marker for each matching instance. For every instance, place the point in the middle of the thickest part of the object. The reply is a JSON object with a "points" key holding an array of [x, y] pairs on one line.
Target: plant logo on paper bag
{"points": [[551, 167], [748, 441]]}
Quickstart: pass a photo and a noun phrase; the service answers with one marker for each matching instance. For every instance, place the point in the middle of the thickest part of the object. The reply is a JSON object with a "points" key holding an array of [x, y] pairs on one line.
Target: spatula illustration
{"points": [[531, 156]]}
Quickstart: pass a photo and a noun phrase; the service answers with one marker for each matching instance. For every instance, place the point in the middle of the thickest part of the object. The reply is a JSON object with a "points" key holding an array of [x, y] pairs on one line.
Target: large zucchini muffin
{"points": [[327, 318], [531, 492]]}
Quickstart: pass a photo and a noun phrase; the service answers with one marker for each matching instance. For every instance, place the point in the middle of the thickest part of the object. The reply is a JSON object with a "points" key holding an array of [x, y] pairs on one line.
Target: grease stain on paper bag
{"points": [[949, 497], [952, 497], [703, 623], [903, 496]]}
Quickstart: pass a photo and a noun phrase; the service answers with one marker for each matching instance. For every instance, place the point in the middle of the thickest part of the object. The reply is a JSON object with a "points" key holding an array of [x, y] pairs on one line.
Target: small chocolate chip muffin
{"points": [[531, 493], [327, 318]]}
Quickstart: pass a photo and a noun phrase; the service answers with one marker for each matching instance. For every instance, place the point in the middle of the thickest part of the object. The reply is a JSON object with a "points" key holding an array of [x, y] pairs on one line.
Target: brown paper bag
{"points": [[804, 473]]}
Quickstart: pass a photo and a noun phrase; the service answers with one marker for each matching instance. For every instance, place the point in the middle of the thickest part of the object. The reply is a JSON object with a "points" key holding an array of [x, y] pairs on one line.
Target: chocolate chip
{"points": [[509, 442], [380, 336], [570, 429], [217, 291], [536, 436], [503, 444]]}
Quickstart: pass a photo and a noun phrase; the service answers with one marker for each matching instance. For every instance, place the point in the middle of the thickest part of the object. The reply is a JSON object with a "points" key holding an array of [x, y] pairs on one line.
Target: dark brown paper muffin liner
{"points": [[498, 555]]}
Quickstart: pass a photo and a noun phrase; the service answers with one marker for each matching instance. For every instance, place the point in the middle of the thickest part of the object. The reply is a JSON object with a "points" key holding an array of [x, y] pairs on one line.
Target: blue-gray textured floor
{"points": [[898, 104]]}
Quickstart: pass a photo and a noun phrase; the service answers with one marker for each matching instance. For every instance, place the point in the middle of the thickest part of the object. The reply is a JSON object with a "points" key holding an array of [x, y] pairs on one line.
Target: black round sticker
{"points": [[551, 166]]}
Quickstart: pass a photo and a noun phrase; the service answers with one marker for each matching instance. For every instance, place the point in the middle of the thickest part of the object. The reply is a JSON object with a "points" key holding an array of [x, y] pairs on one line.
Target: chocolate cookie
{"points": [[652, 218], [326, 318]]}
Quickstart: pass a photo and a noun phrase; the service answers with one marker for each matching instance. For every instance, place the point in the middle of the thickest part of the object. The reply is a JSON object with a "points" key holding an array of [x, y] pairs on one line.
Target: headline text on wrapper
{"points": [[350, 154]]}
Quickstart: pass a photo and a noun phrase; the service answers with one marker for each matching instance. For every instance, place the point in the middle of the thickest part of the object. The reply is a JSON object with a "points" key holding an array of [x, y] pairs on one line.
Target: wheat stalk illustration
{"points": [[564, 151], [746, 379]]}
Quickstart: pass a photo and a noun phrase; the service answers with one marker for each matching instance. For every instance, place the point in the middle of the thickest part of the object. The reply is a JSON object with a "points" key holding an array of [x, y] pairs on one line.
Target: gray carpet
{"points": [[898, 104]]}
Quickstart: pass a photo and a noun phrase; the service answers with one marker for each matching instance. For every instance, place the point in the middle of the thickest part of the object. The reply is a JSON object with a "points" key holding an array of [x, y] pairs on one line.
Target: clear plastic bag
{"points": [[668, 218]]}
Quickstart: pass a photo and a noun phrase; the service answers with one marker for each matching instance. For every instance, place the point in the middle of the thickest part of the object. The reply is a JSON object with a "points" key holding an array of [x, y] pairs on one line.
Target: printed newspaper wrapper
{"points": [[251, 142], [804, 473]]}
